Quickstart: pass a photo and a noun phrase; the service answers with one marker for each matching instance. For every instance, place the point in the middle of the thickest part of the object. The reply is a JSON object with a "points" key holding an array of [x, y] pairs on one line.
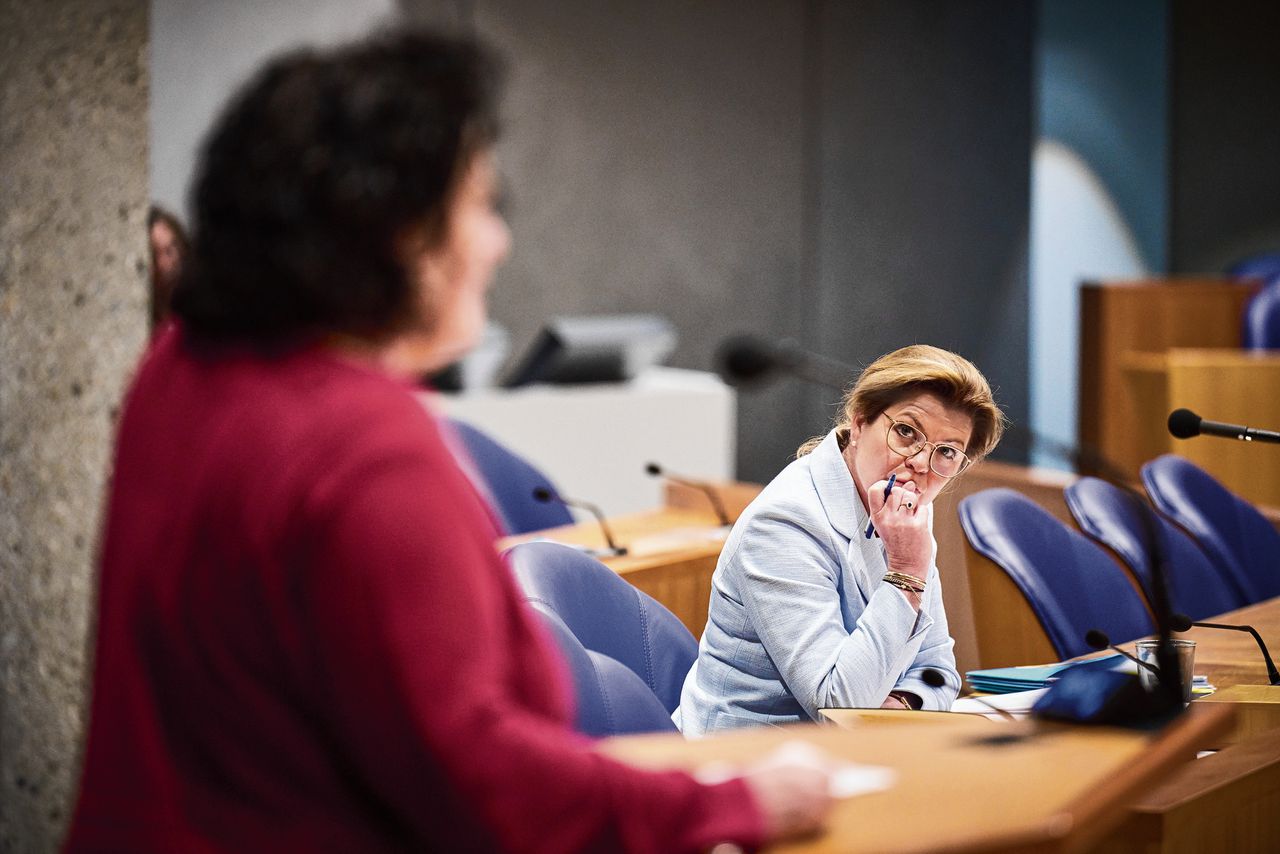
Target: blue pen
{"points": [[888, 487]]}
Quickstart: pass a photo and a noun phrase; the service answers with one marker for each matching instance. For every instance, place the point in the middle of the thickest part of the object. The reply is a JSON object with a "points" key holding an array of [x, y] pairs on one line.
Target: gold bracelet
{"points": [[897, 695], [904, 582]]}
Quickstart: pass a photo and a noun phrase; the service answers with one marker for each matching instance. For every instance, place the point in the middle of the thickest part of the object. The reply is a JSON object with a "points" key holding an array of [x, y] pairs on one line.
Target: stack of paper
{"points": [[1006, 680]]}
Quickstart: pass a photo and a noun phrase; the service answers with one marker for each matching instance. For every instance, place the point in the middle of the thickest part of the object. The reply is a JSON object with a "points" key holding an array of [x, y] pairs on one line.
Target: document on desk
{"points": [[1018, 704], [848, 779]]}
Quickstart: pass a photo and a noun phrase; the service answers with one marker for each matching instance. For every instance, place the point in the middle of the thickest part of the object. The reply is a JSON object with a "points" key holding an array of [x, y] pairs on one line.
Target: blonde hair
{"points": [[920, 369]]}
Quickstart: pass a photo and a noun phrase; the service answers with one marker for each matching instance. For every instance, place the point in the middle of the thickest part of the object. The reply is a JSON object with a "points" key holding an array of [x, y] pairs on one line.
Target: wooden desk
{"points": [[1229, 801], [1059, 790]]}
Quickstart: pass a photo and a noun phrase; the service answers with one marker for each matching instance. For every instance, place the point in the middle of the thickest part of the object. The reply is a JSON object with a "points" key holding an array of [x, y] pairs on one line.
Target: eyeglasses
{"points": [[906, 441]]}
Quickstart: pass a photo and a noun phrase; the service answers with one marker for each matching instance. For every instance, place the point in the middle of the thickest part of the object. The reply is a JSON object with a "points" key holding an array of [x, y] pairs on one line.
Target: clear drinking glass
{"points": [[1186, 650]]}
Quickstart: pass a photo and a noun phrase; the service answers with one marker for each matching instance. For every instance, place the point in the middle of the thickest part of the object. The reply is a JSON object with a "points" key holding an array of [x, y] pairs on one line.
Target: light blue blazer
{"points": [[800, 617]]}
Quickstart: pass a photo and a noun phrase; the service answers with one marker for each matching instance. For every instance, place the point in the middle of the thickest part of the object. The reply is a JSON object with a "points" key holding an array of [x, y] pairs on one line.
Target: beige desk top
{"points": [[1061, 787]]}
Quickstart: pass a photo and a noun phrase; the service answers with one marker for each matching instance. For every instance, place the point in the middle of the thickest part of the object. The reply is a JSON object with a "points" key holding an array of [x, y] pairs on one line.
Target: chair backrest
{"points": [[1071, 584], [1110, 516], [511, 481], [608, 615], [610, 699], [1238, 539], [1262, 318], [1265, 265]]}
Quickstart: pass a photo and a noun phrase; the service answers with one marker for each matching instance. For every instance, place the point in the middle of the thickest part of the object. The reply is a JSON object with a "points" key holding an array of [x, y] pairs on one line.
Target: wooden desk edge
{"points": [[1105, 806]]}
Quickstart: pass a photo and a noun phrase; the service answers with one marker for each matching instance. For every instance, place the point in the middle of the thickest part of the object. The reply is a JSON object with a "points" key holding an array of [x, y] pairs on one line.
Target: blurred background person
{"points": [[320, 648], [826, 594], [169, 250]]}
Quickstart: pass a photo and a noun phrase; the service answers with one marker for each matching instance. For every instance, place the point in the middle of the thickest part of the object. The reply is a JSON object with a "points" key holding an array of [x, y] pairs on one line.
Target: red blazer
{"points": [[306, 640]]}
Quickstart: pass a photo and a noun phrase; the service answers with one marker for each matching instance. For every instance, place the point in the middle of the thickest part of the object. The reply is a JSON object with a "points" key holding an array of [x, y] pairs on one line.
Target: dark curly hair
{"points": [[314, 172]]}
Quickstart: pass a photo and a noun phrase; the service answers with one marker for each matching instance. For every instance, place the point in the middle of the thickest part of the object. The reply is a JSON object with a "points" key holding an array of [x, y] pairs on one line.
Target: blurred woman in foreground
{"points": [[826, 594], [306, 638]]}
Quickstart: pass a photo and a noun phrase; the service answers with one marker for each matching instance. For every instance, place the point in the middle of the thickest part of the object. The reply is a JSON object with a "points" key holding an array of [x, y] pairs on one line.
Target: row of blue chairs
{"points": [[627, 654], [1262, 314], [1218, 551]]}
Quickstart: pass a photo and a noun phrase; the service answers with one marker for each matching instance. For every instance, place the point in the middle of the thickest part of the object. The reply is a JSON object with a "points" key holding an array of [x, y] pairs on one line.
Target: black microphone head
{"points": [[1183, 423], [743, 359], [1097, 639], [932, 678], [541, 493], [653, 469], [1179, 622]]}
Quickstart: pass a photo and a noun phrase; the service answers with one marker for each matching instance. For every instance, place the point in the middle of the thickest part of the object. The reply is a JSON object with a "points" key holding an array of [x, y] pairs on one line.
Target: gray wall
{"points": [[654, 158], [854, 175], [1225, 170], [1103, 92], [923, 197], [73, 316], [201, 51]]}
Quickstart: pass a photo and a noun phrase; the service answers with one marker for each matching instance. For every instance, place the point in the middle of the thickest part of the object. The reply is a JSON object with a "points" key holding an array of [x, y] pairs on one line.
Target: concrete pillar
{"points": [[73, 297]]}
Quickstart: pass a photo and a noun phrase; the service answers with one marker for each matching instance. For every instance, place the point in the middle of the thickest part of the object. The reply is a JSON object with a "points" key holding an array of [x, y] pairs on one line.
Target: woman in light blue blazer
{"points": [[808, 611]]}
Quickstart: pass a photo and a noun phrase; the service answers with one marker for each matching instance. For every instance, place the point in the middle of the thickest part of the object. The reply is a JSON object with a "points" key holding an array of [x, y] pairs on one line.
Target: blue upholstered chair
{"points": [[1070, 583], [1265, 266], [511, 481], [1238, 539], [1109, 515], [607, 615], [1262, 318], [610, 699]]}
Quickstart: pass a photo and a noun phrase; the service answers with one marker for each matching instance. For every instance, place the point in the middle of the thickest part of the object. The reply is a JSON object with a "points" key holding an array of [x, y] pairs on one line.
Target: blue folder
{"points": [[1006, 680]]}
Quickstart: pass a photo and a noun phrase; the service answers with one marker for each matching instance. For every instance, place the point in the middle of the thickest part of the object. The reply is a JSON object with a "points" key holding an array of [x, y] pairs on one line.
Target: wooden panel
{"points": [[1146, 316], [1235, 387], [1228, 801], [1054, 789], [1008, 631]]}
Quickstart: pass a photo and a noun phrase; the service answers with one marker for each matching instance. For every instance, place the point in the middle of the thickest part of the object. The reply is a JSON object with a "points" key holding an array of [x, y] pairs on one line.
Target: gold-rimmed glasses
{"points": [[906, 440]]}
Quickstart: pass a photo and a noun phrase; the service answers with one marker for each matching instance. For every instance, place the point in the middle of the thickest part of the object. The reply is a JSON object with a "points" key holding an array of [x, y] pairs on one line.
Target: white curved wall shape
{"points": [[1077, 233]]}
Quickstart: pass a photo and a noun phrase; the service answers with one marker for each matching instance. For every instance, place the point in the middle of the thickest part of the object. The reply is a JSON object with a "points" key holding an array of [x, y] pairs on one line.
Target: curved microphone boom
{"points": [[1182, 623], [1185, 424], [706, 489], [545, 495]]}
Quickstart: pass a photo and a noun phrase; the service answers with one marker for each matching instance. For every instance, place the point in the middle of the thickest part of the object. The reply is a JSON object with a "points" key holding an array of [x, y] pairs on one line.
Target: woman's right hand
{"points": [[904, 524], [794, 798]]}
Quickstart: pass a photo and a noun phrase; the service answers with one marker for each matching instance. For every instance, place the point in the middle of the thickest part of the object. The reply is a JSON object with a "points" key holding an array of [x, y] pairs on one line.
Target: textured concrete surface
{"points": [[73, 199]]}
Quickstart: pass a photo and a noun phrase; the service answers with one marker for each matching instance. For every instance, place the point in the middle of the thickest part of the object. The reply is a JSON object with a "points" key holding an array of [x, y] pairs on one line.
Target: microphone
{"points": [[541, 493], [749, 360], [1184, 424], [714, 497], [1097, 639], [1181, 623]]}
